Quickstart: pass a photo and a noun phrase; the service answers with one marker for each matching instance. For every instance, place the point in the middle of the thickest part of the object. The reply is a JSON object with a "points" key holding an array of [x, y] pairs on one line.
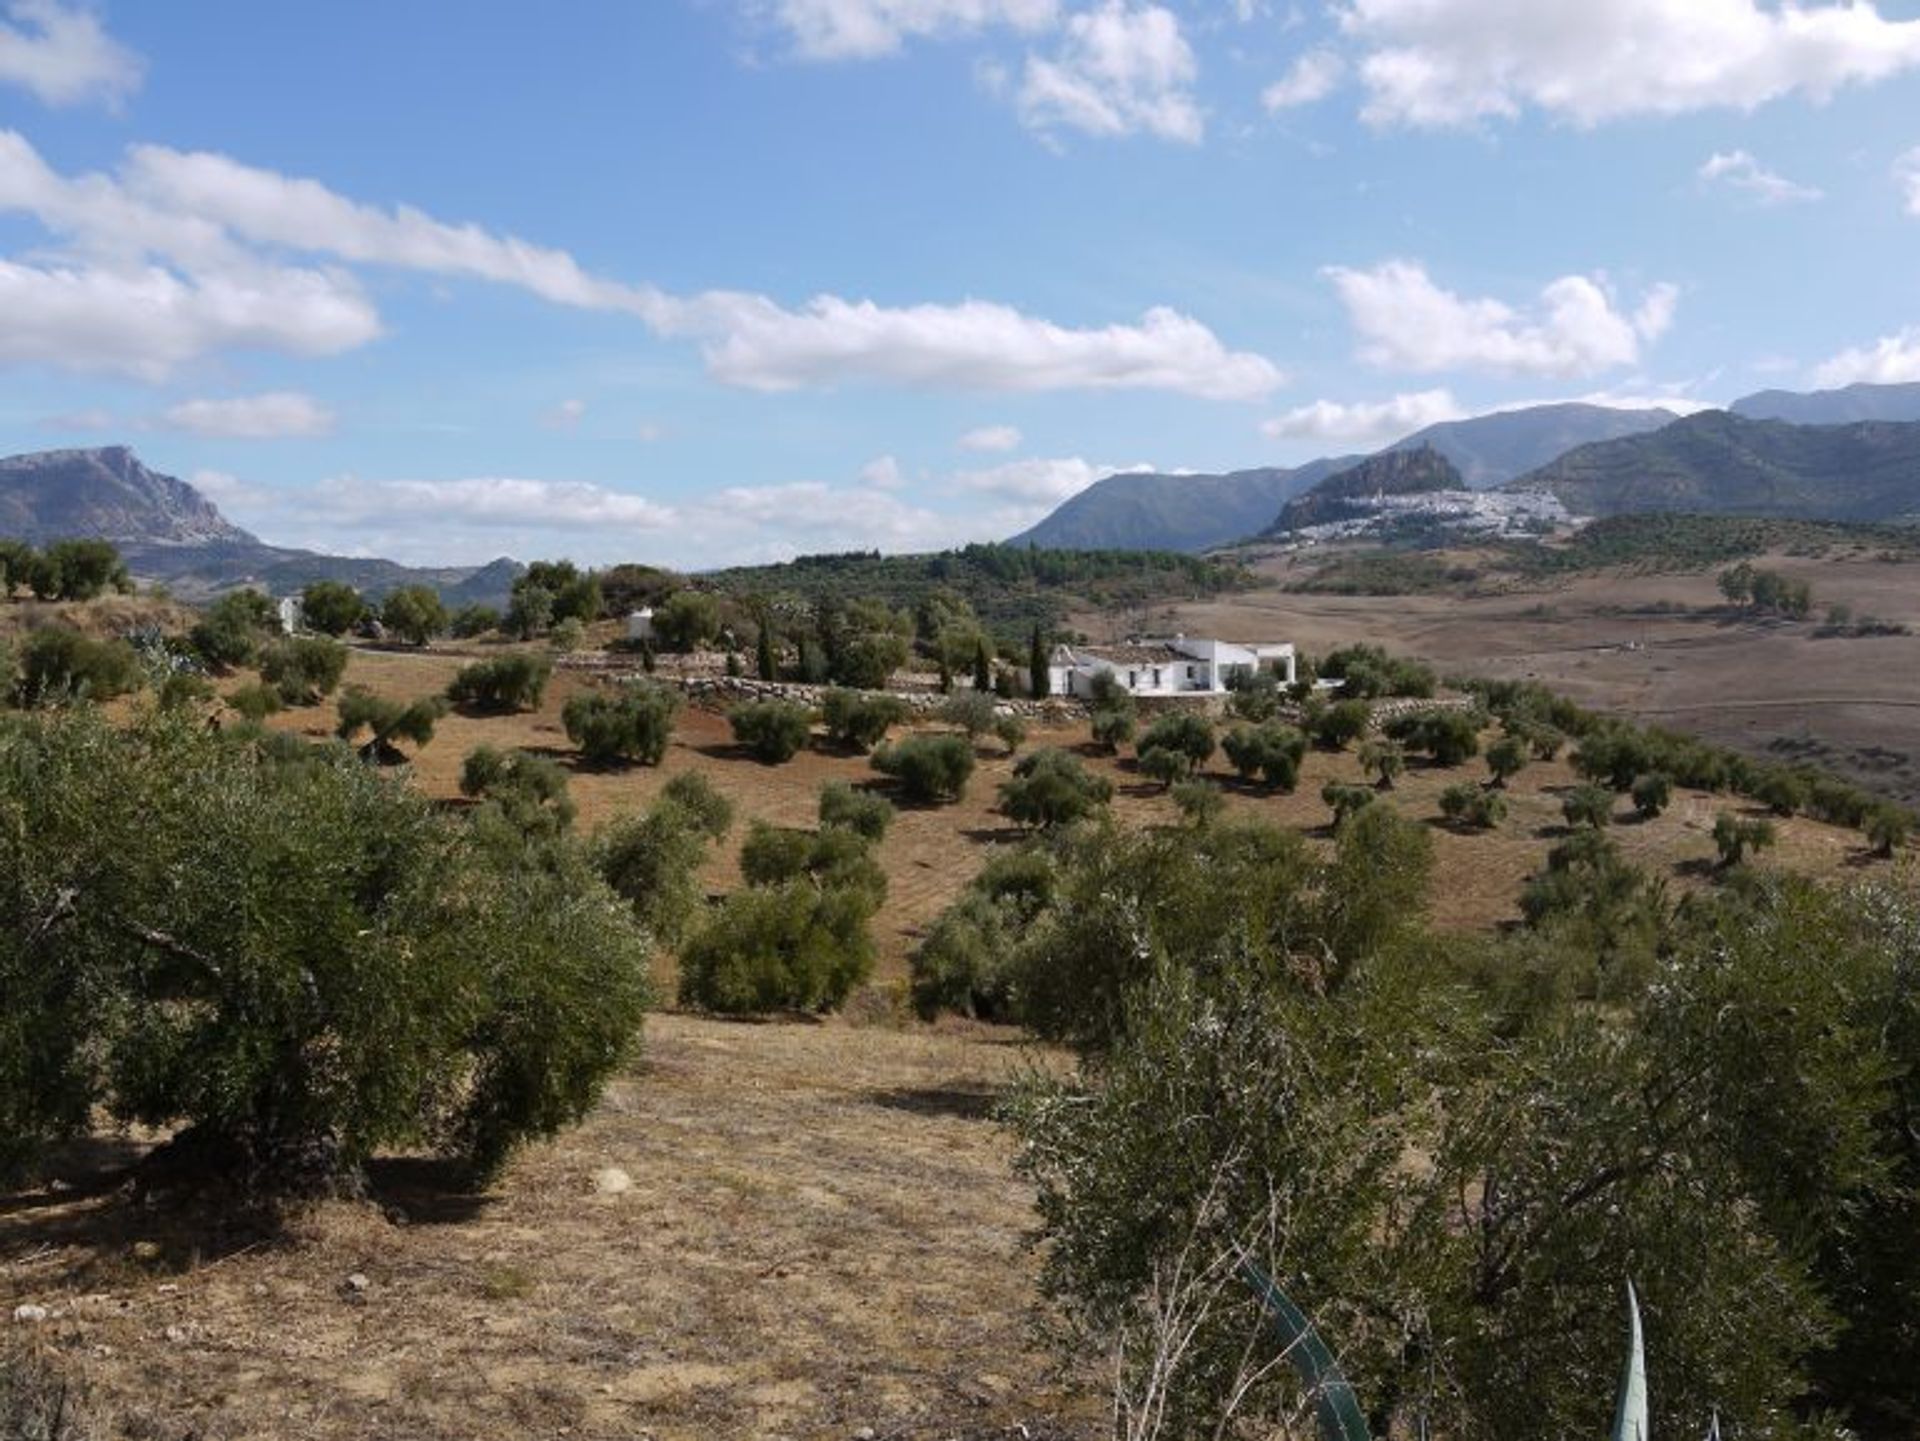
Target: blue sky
{"points": [[701, 281]]}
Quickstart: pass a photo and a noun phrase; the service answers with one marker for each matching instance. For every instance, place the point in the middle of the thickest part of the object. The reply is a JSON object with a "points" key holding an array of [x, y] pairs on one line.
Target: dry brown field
{"points": [[822, 1233]]}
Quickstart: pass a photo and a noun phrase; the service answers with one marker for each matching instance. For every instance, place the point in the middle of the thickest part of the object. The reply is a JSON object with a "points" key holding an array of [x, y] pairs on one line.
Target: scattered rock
{"points": [[176, 1334], [356, 1284], [29, 1314], [612, 1181], [865, 1433]]}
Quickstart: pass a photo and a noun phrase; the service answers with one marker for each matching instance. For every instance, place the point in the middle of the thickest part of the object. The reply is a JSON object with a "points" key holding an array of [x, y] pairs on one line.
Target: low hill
{"points": [[1152, 511], [1490, 450], [168, 531], [1394, 472], [1846, 406], [1719, 463]]}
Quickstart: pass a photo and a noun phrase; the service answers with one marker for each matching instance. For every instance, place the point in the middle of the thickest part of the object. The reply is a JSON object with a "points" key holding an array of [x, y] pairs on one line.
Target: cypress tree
{"points": [[764, 649], [982, 666], [1040, 680]]}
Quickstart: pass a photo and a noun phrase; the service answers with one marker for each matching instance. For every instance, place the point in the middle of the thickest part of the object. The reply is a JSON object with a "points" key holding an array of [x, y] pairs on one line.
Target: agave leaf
{"points": [[1335, 1407], [1630, 1415]]}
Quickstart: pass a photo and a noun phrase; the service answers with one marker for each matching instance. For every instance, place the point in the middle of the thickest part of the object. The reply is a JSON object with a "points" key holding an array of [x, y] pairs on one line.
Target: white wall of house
{"points": [[1195, 667], [640, 624]]}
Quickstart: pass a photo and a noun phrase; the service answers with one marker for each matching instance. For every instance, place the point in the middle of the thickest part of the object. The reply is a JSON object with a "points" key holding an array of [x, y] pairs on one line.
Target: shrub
{"points": [[633, 723], [290, 966], [56, 666], [77, 570], [1466, 804], [1164, 764], [1254, 696], [652, 861], [1346, 801], [1450, 737], [1588, 806], [773, 731], [304, 668], [528, 792], [1887, 828], [1272, 751], [502, 683], [386, 720], [1112, 727], [255, 702], [928, 767], [971, 711], [1199, 802], [178, 688], [1052, 788], [786, 947], [687, 621], [414, 613], [965, 963], [1384, 760], [867, 661], [1780, 791], [1506, 758], [570, 634], [1366, 672], [860, 719], [1652, 793], [331, 607], [230, 631], [1010, 731], [1183, 734], [1734, 836], [1341, 724], [695, 796], [835, 858], [473, 620], [861, 811]]}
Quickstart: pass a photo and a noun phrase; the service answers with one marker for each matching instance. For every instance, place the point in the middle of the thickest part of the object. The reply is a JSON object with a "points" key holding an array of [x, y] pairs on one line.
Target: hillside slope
{"points": [[1847, 406], [1151, 511], [1395, 472], [1720, 463], [1490, 450]]}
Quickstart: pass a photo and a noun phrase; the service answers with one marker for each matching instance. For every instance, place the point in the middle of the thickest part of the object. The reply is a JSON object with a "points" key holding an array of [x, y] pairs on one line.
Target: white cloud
{"points": [[1906, 172], [1364, 422], [882, 473], [60, 53], [1740, 170], [567, 415], [865, 29], [494, 501], [1037, 481], [751, 341], [1121, 68], [1406, 322], [991, 438], [178, 256], [1891, 360], [1312, 77], [276, 414], [1453, 62]]}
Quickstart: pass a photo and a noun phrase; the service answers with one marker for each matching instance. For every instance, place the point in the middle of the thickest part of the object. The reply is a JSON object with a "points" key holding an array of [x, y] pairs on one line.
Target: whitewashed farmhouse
{"points": [[1174, 667]]}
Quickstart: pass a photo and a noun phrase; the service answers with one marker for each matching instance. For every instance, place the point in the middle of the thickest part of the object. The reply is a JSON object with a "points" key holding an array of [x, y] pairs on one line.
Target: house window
{"points": [[1133, 679], [1156, 677]]}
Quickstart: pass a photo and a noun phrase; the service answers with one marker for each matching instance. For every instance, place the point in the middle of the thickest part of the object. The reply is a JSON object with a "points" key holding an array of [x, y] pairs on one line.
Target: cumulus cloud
{"points": [[991, 438], [1035, 482], [1454, 62], [1364, 422], [1891, 360], [1406, 322], [866, 29], [276, 414], [1906, 173], [882, 473], [181, 254], [61, 54], [1312, 77], [1740, 170], [1121, 68]]}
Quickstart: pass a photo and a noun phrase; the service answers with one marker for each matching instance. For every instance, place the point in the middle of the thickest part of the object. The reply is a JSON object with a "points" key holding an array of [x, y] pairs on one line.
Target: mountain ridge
{"points": [[1393, 472]]}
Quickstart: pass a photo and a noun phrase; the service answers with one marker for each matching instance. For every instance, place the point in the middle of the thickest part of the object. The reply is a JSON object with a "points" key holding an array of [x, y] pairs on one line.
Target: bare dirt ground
{"points": [[822, 1234], [1850, 703]]}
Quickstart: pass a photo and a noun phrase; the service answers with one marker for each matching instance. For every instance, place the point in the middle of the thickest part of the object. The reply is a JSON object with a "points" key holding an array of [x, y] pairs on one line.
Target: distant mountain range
{"points": [[1833, 407], [1151, 511], [1721, 463], [1417, 471], [170, 532]]}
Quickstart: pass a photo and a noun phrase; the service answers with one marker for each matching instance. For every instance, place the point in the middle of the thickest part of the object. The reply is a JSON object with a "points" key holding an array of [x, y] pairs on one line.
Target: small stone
{"points": [[176, 1334], [358, 1282], [612, 1181], [29, 1314], [865, 1433]]}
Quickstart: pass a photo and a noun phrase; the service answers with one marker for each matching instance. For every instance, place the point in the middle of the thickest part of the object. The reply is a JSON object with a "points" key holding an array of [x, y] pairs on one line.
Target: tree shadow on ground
{"points": [[966, 1103]]}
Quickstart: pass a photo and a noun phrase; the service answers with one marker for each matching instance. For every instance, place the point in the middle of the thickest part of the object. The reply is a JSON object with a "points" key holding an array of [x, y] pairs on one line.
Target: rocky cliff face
{"points": [[108, 493]]}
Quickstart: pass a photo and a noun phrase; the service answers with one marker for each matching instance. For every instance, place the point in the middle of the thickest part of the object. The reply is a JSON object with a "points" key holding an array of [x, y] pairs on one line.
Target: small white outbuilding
{"points": [[293, 614], [640, 624]]}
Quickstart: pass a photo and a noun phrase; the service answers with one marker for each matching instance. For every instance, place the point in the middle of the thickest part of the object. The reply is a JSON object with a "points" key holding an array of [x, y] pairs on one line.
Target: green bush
{"points": [[1734, 837], [1052, 788], [687, 621], [929, 768], [473, 620], [528, 792], [859, 719], [971, 711], [386, 719], [255, 702], [1199, 802], [787, 947], [303, 669], [1366, 672], [1466, 804], [1112, 727], [414, 613], [1271, 750], [1652, 793], [772, 731], [836, 858], [695, 795], [1450, 737], [1010, 731], [77, 570], [856, 810], [55, 666], [1588, 806], [1384, 760], [291, 966], [502, 683], [1346, 801], [1887, 828], [1341, 724], [1780, 791], [1506, 758], [231, 630], [633, 723], [652, 860], [1182, 734], [331, 607]]}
